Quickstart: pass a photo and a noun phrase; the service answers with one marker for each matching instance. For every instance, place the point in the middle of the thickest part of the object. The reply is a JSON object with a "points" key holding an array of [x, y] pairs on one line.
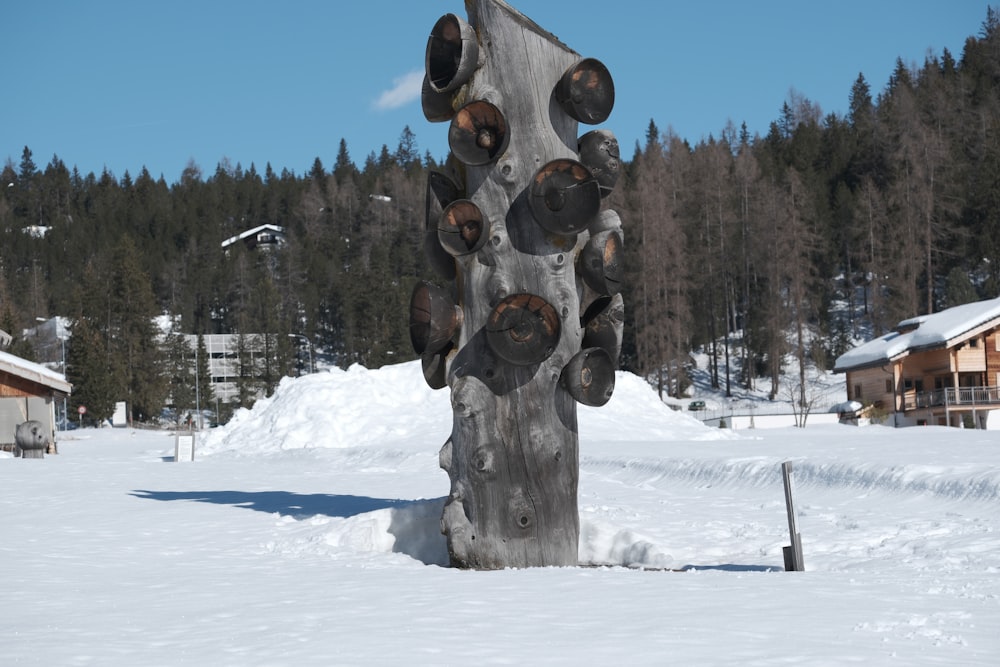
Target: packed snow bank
{"points": [[393, 405], [353, 408], [635, 412]]}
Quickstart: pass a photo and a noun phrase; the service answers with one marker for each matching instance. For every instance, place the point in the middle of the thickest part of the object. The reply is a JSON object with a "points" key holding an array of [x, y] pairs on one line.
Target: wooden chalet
{"points": [[262, 236], [28, 392], [940, 369]]}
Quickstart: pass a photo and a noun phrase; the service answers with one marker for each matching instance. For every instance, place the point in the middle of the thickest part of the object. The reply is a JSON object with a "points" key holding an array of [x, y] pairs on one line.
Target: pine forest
{"points": [[755, 249]]}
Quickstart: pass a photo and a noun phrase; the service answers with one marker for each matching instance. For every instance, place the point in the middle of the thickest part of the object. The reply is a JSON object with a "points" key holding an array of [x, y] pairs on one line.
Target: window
{"points": [[857, 392], [888, 386], [974, 342]]}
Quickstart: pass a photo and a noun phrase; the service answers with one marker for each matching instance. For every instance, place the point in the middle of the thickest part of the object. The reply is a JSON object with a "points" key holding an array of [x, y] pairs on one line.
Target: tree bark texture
{"points": [[532, 321]]}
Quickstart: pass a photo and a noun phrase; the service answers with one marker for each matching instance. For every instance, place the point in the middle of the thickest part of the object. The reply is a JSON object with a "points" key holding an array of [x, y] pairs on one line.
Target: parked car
{"points": [[696, 405]]}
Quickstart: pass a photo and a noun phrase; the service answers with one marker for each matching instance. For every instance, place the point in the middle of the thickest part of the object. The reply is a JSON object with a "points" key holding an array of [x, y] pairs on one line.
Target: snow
{"points": [[305, 532], [921, 332], [31, 371]]}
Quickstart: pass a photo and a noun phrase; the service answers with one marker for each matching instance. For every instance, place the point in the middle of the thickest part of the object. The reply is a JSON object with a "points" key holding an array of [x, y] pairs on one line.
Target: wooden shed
{"points": [[28, 391]]}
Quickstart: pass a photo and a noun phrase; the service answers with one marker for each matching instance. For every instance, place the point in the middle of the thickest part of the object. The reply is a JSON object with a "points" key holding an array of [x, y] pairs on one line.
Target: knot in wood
{"points": [[485, 138]]}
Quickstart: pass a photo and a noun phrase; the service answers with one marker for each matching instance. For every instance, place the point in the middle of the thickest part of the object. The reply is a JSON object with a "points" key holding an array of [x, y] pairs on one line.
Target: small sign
{"points": [[184, 447], [82, 409], [120, 416]]}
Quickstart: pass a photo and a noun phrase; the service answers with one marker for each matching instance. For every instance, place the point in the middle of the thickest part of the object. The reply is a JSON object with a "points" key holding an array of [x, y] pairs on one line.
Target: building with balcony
{"points": [[223, 360], [941, 369]]}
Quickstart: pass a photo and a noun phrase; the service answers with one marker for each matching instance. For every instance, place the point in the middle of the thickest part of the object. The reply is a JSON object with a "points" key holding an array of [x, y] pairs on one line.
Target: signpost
{"points": [[82, 410], [793, 552], [184, 447]]}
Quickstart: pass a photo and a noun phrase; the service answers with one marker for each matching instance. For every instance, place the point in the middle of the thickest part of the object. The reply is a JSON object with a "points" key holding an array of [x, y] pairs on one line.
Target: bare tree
{"points": [[661, 310], [802, 396], [920, 209], [719, 204], [746, 173], [784, 250], [871, 219]]}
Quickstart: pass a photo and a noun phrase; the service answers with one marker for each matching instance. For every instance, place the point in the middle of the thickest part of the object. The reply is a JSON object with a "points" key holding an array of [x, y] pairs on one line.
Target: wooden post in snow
{"points": [[792, 553], [531, 322]]}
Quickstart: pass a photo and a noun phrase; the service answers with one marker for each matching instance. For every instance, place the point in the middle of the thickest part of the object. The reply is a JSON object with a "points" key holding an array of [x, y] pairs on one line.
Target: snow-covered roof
{"points": [[847, 407], [253, 232], [33, 372], [924, 332]]}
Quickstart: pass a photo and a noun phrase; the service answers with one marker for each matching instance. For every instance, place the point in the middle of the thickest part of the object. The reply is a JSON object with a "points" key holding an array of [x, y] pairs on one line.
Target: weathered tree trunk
{"points": [[519, 221]]}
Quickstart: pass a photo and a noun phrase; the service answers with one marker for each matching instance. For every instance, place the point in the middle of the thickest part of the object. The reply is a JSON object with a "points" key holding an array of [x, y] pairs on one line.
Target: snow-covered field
{"points": [[306, 533]]}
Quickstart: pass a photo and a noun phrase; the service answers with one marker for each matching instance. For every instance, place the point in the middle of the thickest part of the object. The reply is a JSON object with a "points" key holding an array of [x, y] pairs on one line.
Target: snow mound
{"points": [[336, 409], [636, 414], [393, 406]]}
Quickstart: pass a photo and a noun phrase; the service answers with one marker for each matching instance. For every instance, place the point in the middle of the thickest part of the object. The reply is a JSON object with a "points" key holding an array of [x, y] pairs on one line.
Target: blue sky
{"points": [[122, 85]]}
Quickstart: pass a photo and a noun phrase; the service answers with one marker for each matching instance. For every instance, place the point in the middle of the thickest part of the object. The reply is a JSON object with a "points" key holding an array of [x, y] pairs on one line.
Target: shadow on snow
{"points": [[286, 503], [415, 524]]}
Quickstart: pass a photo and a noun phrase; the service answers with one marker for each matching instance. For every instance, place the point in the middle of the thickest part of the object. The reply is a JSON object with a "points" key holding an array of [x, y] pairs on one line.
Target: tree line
{"points": [[757, 249], [827, 230]]}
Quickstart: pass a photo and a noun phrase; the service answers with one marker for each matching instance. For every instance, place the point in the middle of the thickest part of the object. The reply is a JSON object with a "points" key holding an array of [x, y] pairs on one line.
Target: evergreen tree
{"points": [[407, 154], [87, 369], [205, 393], [181, 380], [317, 173], [343, 168], [958, 288], [249, 352], [133, 334]]}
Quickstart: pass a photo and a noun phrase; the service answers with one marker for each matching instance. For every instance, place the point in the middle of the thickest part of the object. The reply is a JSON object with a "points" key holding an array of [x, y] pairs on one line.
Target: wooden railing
{"points": [[958, 397]]}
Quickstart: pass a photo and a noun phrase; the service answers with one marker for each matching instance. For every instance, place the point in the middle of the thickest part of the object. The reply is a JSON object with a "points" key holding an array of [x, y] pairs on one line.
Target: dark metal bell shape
{"points": [[439, 259], [589, 377], [441, 191], [463, 229], [601, 262], [478, 133], [586, 91], [434, 367], [443, 188], [603, 323], [564, 197], [523, 329], [434, 318], [599, 152], [437, 107], [452, 53]]}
